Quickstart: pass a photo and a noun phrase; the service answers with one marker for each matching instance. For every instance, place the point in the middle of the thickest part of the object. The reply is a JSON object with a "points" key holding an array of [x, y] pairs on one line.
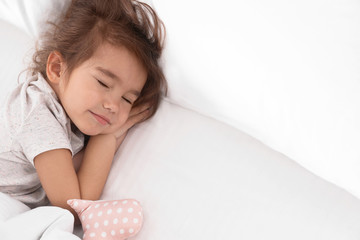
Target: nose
{"points": [[111, 104]]}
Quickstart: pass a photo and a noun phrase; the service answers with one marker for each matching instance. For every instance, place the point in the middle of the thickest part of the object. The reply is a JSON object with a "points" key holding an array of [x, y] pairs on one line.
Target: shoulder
{"points": [[32, 99], [36, 94]]}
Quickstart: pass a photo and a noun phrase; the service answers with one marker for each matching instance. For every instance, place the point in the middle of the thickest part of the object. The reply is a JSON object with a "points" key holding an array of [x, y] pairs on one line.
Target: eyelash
{"points": [[128, 101], [102, 84]]}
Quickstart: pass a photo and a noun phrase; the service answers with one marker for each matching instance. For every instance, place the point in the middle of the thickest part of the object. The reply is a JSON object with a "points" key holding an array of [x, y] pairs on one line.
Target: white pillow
{"points": [[200, 179], [14, 57], [285, 72]]}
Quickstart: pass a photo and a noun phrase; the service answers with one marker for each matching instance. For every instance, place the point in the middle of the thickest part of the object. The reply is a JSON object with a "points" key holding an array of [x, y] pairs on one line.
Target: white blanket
{"points": [[17, 221]]}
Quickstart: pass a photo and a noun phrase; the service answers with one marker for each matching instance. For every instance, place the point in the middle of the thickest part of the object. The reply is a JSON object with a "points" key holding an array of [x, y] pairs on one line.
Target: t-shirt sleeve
{"points": [[41, 131]]}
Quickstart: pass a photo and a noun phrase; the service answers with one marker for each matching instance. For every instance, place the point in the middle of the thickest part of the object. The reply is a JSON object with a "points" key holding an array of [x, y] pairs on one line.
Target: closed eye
{"points": [[102, 84], [127, 100]]}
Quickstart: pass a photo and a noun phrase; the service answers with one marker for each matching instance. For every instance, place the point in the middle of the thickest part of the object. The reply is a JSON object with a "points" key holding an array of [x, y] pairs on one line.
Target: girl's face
{"points": [[98, 95]]}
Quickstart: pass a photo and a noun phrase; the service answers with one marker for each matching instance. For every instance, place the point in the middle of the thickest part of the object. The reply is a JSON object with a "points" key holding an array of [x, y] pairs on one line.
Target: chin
{"points": [[90, 131]]}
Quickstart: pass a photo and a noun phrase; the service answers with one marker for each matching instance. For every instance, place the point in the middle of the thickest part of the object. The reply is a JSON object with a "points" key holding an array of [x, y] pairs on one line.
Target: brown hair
{"points": [[88, 23]]}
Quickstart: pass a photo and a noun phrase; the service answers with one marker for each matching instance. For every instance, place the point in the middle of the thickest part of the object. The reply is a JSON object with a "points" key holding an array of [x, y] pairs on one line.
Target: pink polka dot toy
{"points": [[108, 220]]}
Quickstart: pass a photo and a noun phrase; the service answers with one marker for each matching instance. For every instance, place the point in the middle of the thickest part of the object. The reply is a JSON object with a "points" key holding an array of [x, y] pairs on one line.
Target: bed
{"points": [[259, 135]]}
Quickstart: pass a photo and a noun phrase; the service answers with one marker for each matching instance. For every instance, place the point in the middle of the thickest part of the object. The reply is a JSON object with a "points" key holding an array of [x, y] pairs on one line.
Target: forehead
{"points": [[118, 63]]}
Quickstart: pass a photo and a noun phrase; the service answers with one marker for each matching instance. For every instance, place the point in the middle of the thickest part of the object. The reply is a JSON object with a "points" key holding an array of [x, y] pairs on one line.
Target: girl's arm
{"points": [[59, 178], [61, 182], [99, 153], [95, 165]]}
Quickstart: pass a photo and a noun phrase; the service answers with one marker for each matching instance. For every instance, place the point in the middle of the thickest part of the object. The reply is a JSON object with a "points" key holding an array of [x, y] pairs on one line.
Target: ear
{"points": [[55, 67]]}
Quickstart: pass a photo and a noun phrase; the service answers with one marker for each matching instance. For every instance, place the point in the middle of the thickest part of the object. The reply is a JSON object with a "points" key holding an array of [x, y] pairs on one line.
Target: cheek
{"points": [[87, 97], [82, 90], [122, 118]]}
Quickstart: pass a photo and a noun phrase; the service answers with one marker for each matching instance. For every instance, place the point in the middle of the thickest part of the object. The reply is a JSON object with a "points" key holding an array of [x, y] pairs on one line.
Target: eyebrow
{"points": [[113, 76]]}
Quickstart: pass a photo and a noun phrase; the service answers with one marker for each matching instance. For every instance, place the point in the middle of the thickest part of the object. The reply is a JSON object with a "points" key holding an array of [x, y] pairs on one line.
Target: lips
{"points": [[101, 119]]}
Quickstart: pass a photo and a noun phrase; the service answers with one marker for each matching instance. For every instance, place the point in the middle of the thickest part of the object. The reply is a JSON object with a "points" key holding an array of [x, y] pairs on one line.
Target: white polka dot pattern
{"points": [[108, 220]]}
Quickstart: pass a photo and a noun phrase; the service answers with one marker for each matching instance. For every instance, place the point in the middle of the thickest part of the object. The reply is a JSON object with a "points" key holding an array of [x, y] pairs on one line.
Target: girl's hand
{"points": [[137, 115]]}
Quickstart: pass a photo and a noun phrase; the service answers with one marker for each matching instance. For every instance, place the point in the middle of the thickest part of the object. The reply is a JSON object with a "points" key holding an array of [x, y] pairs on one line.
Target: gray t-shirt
{"points": [[32, 121]]}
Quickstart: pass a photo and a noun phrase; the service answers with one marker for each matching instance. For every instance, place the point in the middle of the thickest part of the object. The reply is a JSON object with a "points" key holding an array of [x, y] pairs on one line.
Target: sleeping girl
{"points": [[95, 74]]}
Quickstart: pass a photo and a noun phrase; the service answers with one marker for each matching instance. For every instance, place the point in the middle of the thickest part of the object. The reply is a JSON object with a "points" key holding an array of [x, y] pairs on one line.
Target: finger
{"points": [[139, 109], [139, 117], [131, 121]]}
